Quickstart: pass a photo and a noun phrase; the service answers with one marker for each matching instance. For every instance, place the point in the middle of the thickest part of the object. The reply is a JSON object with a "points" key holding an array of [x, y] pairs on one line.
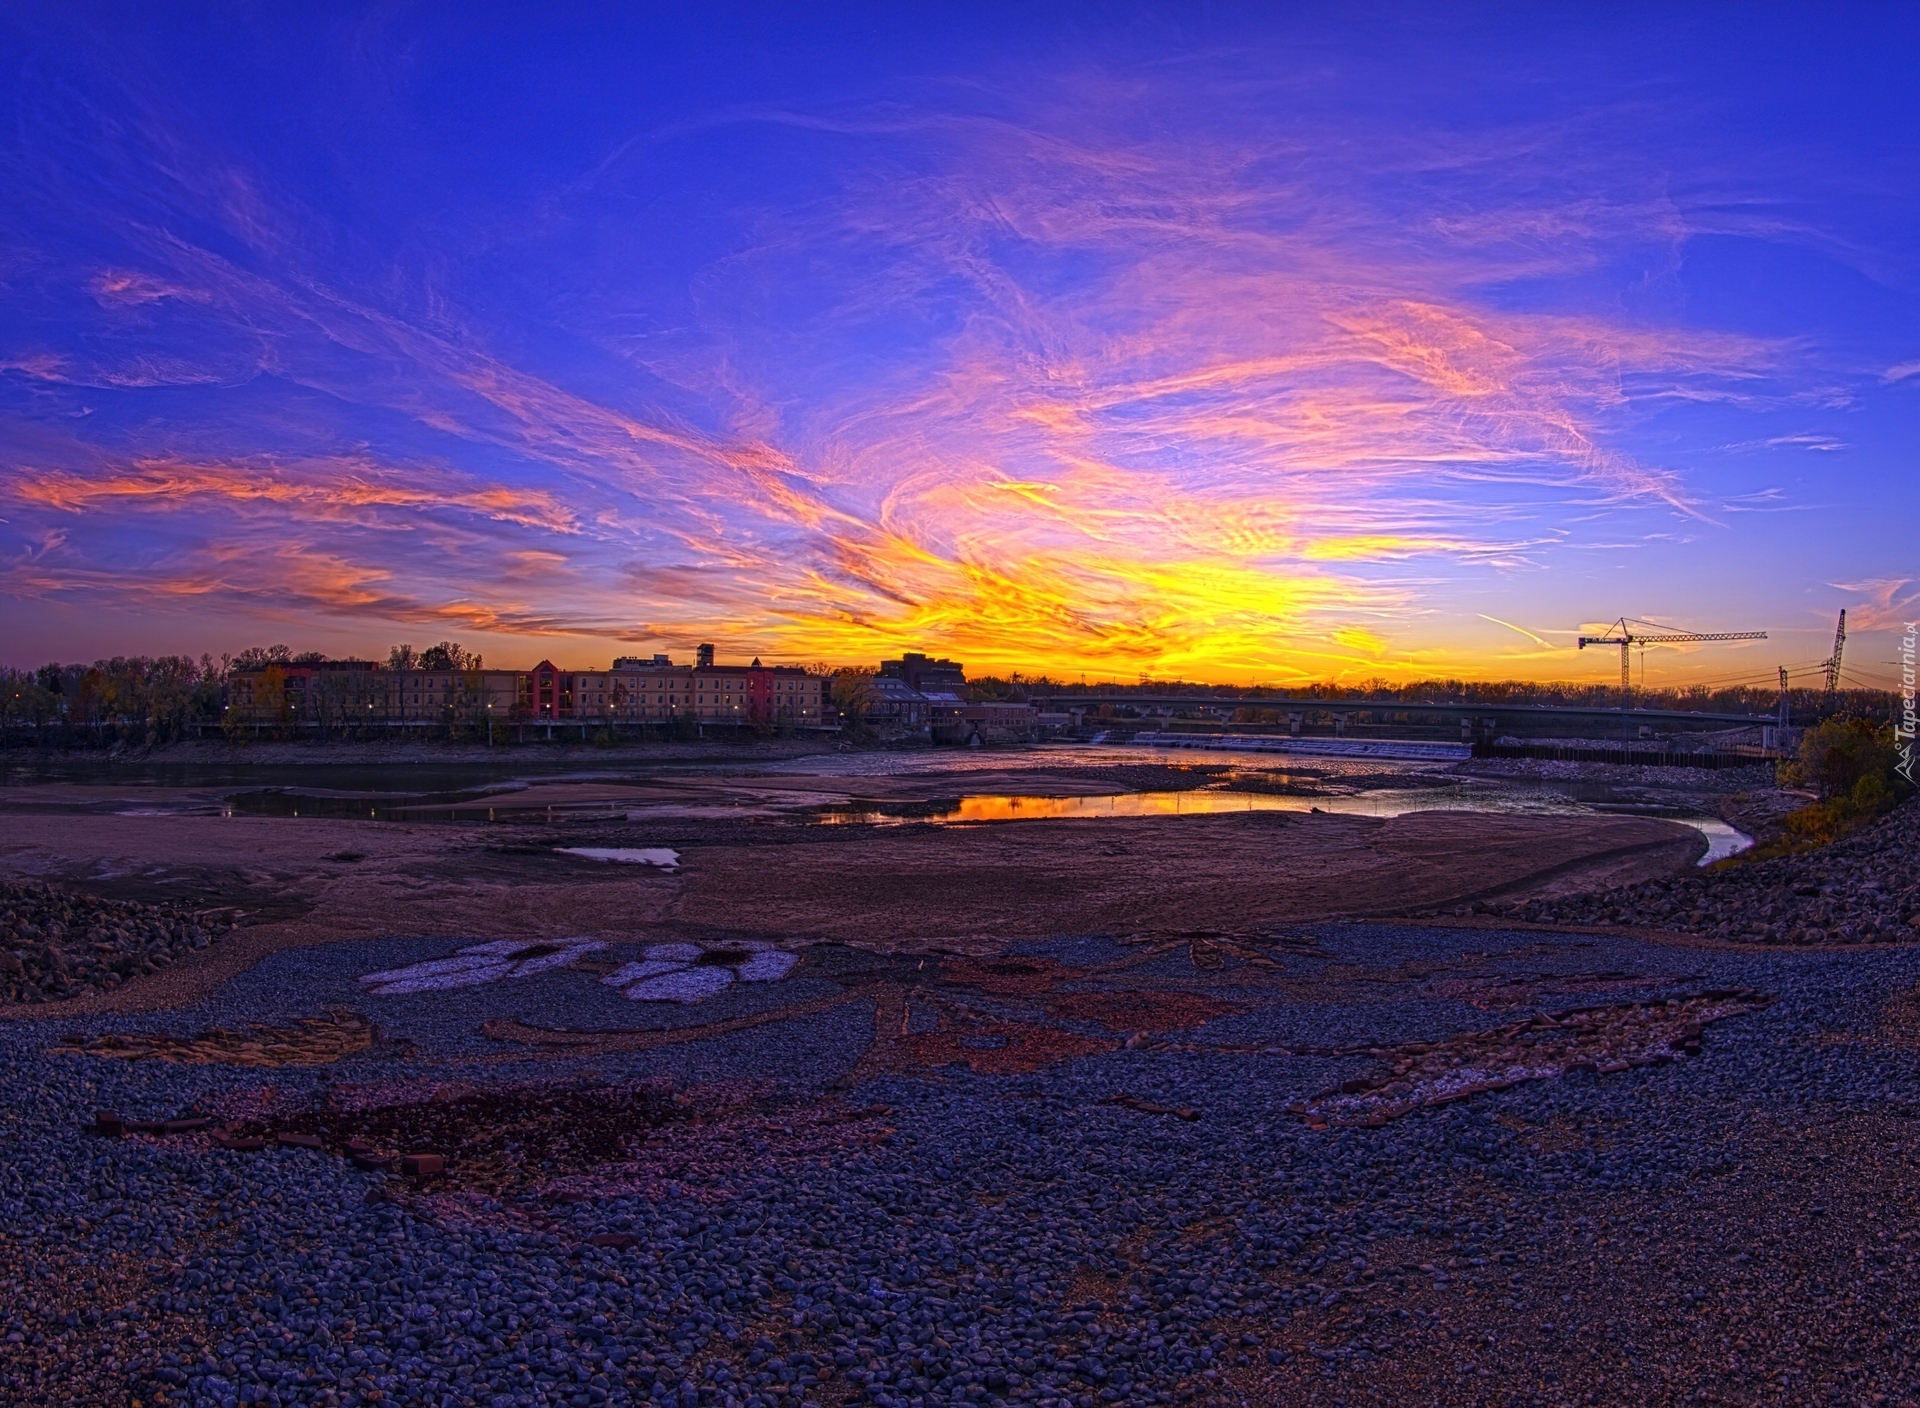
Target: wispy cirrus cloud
{"points": [[1805, 440], [1891, 603], [1073, 372], [330, 490]]}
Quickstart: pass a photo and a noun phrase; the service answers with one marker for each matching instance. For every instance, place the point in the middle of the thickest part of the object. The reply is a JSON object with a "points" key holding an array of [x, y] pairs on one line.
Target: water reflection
{"points": [[1722, 839], [480, 790]]}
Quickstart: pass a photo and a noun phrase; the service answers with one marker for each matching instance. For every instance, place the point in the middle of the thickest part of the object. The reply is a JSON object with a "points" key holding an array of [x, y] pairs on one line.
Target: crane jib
{"points": [[1621, 635]]}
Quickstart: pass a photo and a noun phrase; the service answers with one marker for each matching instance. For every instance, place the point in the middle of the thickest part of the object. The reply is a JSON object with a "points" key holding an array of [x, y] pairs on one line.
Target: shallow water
{"points": [[446, 791], [1722, 839]]}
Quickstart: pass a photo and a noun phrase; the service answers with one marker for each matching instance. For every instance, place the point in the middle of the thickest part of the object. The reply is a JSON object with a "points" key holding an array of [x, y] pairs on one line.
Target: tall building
{"points": [[925, 675]]}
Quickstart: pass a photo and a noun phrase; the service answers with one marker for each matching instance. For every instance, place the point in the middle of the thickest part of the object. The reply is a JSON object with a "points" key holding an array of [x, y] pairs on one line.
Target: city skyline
{"points": [[1306, 346]]}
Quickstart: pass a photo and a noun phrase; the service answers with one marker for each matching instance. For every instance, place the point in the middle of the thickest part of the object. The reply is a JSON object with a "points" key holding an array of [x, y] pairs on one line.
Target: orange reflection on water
{"points": [[1722, 839], [986, 808]]}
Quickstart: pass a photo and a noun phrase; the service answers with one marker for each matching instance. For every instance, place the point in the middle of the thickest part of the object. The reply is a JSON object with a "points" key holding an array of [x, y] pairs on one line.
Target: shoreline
{"points": [[310, 882]]}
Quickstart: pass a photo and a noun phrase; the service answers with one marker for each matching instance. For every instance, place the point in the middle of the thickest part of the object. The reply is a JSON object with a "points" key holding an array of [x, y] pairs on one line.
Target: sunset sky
{"points": [[1286, 343]]}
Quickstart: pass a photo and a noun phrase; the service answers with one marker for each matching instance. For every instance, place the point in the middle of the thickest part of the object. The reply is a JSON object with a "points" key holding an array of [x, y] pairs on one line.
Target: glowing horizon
{"points": [[1312, 349]]}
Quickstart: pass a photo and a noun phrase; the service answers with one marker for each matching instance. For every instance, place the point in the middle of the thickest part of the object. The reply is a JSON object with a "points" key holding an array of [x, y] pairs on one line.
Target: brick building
{"points": [[989, 722], [708, 692], [338, 693]]}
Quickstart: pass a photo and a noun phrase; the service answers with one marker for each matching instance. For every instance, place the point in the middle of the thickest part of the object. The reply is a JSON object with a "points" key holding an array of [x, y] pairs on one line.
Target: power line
{"points": [[1863, 682], [1767, 677], [1795, 665]]}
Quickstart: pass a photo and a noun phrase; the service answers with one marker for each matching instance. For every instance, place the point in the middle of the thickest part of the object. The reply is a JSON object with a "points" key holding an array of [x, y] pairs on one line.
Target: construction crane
{"points": [[1625, 634], [1832, 665]]}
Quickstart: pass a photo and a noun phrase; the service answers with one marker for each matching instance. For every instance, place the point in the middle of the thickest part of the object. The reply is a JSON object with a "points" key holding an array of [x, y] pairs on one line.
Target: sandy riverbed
{"points": [[966, 888]]}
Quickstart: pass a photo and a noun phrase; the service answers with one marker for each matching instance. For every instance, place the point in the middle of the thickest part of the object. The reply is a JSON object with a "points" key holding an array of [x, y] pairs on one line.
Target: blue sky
{"points": [[1279, 344]]}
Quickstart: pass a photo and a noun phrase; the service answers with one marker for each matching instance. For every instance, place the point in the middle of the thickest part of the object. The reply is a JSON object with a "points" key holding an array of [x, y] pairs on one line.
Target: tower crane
{"points": [[1626, 634], [1832, 664]]}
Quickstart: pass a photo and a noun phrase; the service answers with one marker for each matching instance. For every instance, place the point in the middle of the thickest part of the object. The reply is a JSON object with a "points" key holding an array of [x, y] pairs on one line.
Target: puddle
{"points": [[1722, 839], [373, 806], [660, 855]]}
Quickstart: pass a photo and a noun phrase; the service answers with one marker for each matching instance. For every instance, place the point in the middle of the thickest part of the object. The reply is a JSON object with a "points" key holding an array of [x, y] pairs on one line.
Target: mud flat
{"points": [[293, 882], [972, 887]]}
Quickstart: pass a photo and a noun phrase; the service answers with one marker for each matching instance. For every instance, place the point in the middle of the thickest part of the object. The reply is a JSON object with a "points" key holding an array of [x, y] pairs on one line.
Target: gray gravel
{"points": [[1740, 1226], [1865, 889], [1758, 778]]}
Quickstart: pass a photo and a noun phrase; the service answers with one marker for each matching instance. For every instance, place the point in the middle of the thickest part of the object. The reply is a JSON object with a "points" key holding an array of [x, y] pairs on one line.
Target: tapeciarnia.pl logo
{"points": [[1904, 730]]}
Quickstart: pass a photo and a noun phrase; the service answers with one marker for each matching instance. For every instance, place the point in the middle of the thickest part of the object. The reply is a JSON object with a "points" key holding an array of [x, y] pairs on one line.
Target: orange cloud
{"points": [[1360, 639], [1889, 605], [309, 491]]}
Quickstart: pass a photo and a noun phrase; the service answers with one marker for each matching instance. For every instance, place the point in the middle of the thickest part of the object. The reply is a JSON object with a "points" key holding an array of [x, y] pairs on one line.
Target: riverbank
{"points": [[1860, 890], [1127, 1109], [972, 889]]}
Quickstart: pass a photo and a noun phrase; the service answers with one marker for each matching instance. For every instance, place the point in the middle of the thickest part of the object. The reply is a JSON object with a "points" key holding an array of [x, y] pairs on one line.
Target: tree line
{"points": [[1707, 699], [154, 699]]}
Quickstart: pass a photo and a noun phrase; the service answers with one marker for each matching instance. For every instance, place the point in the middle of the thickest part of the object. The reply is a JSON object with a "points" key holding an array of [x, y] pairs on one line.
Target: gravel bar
{"points": [[778, 1215]]}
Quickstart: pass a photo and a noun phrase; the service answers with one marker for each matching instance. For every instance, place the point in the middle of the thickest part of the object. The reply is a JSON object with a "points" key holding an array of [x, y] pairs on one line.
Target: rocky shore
{"points": [[56, 944], [1753, 779], [1268, 1163], [1863, 889]]}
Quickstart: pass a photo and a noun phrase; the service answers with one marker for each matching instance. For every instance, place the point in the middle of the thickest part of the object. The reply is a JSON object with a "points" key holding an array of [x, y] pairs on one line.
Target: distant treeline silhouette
{"points": [[1708, 699]]}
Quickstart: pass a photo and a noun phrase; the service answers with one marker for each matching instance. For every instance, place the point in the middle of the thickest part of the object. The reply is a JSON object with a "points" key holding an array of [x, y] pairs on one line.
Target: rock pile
{"points": [[1864, 889], [1607, 1040], [55, 943]]}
